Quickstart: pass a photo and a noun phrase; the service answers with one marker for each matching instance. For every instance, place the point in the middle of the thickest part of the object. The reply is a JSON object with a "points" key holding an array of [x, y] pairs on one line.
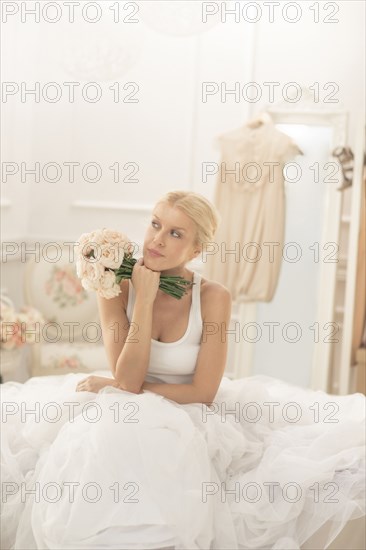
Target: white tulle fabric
{"points": [[181, 465]]}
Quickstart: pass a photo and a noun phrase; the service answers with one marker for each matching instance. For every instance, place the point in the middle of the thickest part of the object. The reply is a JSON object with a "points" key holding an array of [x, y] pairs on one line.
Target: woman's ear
{"points": [[195, 254]]}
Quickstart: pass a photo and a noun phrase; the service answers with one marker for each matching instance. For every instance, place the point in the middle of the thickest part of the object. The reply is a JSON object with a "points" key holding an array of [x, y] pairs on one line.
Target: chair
{"points": [[71, 340]]}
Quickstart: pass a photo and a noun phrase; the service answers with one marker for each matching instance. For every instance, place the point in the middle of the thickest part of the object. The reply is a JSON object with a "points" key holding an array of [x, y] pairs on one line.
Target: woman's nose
{"points": [[158, 239]]}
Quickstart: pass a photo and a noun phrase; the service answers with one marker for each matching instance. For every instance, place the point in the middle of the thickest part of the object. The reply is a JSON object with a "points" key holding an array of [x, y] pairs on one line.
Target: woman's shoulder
{"points": [[213, 292]]}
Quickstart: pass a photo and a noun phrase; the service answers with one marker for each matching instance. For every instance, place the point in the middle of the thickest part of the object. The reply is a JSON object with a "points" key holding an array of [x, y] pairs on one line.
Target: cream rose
{"points": [[89, 271], [112, 255], [109, 288]]}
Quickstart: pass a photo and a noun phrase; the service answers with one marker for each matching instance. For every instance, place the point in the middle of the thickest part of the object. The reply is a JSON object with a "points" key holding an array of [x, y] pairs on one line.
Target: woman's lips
{"points": [[155, 254]]}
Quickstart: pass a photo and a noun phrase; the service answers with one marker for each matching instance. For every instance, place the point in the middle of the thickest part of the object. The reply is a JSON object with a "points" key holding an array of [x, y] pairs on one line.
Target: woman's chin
{"points": [[152, 262]]}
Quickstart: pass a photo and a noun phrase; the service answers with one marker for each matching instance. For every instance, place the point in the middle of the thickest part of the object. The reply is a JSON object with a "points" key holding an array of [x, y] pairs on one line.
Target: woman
{"points": [[168, 453], [180, 224]]}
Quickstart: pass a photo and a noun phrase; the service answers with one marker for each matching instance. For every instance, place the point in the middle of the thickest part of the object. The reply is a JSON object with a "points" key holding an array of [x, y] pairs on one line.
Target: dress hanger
{"points": [[264, 118]]}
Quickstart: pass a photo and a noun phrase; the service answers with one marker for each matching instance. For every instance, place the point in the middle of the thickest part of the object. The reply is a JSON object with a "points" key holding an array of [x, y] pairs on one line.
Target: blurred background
{"points": [[106, 106]]}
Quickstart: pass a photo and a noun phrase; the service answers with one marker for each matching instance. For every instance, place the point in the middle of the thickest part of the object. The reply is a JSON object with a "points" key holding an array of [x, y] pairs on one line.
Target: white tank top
{"points": [[175, 362]]}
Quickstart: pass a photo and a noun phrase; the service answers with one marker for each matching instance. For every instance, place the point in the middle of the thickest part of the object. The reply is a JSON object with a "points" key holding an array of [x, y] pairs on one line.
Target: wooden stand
{"points": [[361, 370]]}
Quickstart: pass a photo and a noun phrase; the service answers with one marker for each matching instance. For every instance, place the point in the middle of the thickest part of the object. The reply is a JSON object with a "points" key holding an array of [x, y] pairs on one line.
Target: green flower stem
{"points": [[170, 284]]}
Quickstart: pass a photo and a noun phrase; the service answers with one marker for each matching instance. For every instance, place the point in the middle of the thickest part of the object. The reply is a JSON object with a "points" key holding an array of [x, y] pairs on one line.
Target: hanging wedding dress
{"points": [[250, 197], [267, 465]]}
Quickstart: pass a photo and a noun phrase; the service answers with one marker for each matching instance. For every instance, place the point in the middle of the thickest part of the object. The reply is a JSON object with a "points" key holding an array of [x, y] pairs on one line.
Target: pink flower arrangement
{"points": [[19, 328], [65, 287]]}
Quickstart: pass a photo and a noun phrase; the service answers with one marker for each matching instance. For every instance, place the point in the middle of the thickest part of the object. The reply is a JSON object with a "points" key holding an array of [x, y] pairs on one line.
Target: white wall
{"points": [[170, 131]]}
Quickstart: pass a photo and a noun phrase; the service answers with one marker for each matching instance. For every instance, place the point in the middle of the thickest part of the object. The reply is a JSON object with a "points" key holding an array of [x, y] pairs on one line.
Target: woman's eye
{"points": [[155, 223]]}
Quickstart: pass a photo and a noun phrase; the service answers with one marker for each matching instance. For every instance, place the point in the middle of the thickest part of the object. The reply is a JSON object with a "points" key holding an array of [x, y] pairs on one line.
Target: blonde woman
{"points": [[166, 452], [169, 331]]}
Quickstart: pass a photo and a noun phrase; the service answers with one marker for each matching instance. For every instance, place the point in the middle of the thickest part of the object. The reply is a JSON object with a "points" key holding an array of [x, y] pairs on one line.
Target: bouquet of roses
{"points": [[105, 257]]}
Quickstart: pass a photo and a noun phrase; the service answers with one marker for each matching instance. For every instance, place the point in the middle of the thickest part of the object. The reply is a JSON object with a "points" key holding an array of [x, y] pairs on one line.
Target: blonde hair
{"points": [[199, 209]]}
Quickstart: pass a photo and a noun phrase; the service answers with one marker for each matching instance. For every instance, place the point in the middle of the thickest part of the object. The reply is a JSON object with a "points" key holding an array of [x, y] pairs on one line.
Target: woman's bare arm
{"points": [[115, 326], [133, 361], [128, 346]]}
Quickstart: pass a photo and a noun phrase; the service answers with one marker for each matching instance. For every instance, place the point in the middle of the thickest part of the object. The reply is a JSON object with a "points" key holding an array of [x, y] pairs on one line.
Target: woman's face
{"points": [[171, 232]]}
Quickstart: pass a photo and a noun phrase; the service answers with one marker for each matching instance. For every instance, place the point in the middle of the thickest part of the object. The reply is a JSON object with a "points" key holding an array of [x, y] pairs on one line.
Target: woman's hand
{"points": [[95, 383], [145, 281]]}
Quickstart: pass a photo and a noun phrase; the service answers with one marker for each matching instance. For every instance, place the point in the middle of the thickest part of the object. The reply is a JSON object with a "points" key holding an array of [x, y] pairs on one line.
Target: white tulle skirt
{"points": [[268, 465]]}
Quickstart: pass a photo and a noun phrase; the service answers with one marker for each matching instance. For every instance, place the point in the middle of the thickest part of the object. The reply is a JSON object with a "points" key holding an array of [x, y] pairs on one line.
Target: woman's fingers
{"points": [[80, 386]]}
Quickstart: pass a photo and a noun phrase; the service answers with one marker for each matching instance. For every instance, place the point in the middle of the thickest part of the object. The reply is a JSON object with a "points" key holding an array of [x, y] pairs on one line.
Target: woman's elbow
{"points": [[129, 386], [205, 397], [126, 382], [134, 390]]}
